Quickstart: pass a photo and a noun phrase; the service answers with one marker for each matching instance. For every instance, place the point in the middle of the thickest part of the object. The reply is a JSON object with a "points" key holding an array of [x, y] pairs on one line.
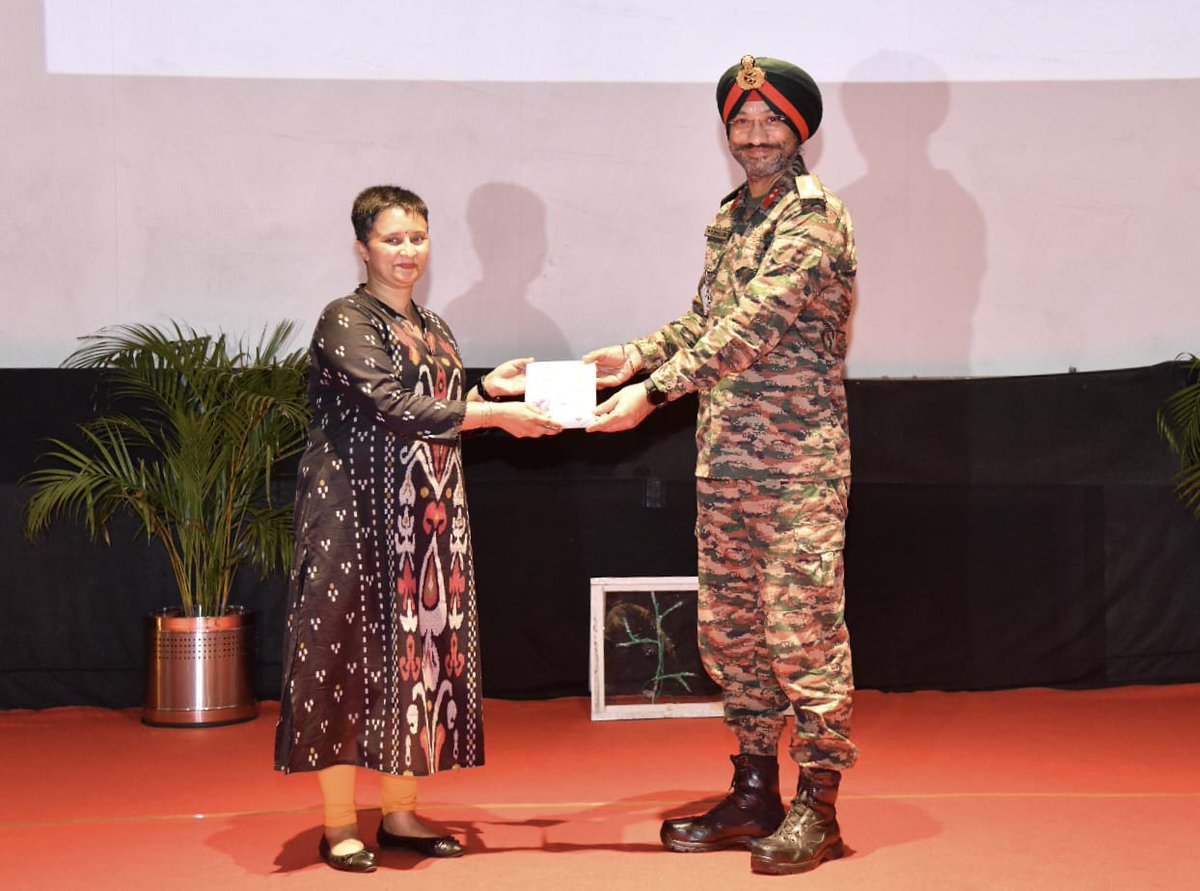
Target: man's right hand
{"points": [[614, 364]]}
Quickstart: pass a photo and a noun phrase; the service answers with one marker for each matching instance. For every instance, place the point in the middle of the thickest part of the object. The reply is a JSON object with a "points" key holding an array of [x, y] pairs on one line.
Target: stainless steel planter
{"points": [[199, 672]]}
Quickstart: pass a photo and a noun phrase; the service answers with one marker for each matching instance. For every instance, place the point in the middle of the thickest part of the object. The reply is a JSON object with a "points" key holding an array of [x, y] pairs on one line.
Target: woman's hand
{"points": [[507, 378], [614, 364], [522, 420]]}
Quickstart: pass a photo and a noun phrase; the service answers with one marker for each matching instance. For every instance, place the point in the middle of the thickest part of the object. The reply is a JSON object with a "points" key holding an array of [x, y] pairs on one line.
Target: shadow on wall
{"points": [[921, 236], [507, 224], [508, 231], [921, 247]]}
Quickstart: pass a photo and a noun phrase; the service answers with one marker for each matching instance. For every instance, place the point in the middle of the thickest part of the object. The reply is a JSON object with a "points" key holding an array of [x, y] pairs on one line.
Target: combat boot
{"points": [[809, 834], [751, 810]]}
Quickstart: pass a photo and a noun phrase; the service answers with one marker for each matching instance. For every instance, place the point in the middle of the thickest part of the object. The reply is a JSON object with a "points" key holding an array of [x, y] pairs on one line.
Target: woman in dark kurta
{"points": [[381, 661]]}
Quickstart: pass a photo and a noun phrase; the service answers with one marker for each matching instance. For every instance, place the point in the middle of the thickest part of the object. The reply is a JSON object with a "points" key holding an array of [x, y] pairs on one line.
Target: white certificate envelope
{"points": [[566, 391]]}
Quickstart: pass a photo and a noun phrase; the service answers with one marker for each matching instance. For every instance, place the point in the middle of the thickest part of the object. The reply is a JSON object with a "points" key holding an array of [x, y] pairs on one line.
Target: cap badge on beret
{"points": [[750, 77]]}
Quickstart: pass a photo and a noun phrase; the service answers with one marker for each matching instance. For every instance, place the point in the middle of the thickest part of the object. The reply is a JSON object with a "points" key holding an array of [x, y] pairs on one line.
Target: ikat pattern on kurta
{"points": [[381, 660]]}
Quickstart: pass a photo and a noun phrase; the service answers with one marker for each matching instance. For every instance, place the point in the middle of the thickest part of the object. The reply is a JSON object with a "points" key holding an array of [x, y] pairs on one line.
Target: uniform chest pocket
{"points": [[753, 249]]}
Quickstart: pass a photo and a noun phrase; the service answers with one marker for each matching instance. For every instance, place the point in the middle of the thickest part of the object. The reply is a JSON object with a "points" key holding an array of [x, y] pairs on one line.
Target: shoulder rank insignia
{"points": [[718, 233], [809, 187]]}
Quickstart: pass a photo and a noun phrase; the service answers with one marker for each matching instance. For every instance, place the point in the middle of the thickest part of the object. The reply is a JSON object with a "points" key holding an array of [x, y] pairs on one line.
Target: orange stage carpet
{"points": [[1024, 789]]}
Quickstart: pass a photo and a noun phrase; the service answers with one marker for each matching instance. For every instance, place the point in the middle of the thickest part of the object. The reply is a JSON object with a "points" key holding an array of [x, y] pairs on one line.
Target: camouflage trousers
{"points": [[771, 613]]}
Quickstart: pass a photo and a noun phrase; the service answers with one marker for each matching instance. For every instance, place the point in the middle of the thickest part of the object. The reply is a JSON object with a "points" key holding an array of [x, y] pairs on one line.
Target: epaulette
{"points": [[810, 192], [809, 187], [730, 196]]}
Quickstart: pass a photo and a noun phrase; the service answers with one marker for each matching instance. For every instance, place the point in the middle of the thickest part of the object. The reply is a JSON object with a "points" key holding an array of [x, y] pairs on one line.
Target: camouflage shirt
{"points": [[764, 343]]}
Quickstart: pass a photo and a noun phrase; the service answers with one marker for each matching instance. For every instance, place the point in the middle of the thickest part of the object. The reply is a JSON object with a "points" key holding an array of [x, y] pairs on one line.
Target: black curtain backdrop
{"points": [[1003, 532]]}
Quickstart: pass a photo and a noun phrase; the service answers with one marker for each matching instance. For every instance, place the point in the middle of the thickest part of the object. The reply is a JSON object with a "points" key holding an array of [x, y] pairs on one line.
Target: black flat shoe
{"points": [[360, 861], [434, 846]]}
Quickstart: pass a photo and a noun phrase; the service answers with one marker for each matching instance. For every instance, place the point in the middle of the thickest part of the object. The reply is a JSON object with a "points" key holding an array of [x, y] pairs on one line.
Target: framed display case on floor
{"points": [[644, 658]]}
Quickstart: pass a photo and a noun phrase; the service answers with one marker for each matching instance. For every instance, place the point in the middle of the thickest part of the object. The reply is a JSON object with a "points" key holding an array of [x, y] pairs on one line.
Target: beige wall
{"points": [[1004, 227]]}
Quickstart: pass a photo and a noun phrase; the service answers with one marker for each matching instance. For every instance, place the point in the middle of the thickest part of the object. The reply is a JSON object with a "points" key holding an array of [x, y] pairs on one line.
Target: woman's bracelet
{"points": [[487, 397]]}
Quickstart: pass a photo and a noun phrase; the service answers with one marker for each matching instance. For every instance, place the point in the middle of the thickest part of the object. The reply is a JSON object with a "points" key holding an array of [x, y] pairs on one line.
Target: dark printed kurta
{"points": [[381, 659]]}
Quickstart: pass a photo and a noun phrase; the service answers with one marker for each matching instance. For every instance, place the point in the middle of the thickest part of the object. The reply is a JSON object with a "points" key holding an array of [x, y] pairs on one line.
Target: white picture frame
{"points": [[606, 596]]}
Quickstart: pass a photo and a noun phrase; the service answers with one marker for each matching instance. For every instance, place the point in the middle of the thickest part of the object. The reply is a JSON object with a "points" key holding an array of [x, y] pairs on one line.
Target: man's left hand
{"points": [[624, 410]]}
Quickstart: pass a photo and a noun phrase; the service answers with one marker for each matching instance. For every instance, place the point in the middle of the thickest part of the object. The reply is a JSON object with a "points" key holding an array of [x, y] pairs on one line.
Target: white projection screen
{"points": [[1020, 173]]}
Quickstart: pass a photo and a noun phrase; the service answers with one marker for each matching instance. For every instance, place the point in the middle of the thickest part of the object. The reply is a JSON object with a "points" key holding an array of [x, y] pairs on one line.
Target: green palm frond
{"points": [[91, 482], [199, 425], [1179, 423]]}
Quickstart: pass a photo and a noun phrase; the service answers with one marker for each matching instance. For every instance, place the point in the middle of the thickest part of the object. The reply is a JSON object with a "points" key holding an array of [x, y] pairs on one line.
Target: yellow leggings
{"points": [[337, 789]]}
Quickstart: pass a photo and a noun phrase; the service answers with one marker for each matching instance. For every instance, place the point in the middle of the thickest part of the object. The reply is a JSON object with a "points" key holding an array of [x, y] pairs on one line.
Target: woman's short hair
{"points": [[373, 201]]}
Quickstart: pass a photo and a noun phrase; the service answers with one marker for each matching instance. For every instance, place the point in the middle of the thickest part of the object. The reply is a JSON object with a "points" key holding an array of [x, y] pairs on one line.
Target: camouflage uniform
{"points": [[764, 344]]}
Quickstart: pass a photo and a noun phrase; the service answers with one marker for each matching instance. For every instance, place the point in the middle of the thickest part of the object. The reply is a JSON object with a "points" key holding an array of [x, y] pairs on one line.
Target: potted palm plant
{"points": [[188, 444], [1179, 423]]}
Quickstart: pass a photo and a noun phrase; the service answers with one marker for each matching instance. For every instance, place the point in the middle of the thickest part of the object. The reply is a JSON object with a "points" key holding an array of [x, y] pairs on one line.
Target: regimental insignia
{"points": [[751, 77]]}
